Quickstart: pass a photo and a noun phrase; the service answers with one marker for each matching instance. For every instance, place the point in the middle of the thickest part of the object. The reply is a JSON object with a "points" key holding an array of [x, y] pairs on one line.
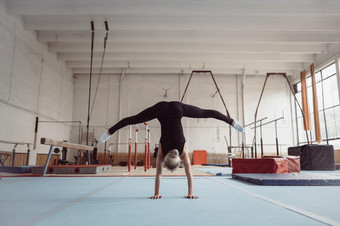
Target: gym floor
{"points": [[124, 200]]}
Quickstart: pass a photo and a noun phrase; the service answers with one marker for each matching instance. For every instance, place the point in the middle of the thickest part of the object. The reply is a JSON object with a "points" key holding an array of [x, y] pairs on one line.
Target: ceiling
{"points": [[178, 36]]}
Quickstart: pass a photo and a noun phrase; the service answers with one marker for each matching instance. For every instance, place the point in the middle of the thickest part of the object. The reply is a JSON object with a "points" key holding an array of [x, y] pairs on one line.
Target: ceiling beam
{"points": [[114, 47], [189, 57], [179, 7], [183, 23], [190, 65], [193, 37], [225, 71]]}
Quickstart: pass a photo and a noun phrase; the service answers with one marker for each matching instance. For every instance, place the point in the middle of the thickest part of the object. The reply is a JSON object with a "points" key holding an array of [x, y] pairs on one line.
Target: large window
{"points": [[328, 103]]}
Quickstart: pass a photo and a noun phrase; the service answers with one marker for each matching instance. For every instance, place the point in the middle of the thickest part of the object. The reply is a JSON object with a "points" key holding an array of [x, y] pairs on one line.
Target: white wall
{"points": [[141, 91], [33, 83]]}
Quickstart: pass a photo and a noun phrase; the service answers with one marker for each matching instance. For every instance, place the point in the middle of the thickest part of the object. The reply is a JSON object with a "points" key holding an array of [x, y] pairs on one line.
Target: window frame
{"points": [[321, 108]]}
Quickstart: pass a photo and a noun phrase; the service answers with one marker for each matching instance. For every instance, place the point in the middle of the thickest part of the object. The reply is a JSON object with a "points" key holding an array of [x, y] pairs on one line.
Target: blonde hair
{"points": [[172, 160]]}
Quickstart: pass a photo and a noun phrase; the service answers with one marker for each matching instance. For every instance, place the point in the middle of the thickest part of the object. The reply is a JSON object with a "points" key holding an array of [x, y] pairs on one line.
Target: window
{"points": [[328, 103]]}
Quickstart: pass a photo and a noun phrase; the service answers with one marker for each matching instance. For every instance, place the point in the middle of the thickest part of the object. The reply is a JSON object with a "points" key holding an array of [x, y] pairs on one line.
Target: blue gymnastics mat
{"points": [[292, 179], [15, 169]]}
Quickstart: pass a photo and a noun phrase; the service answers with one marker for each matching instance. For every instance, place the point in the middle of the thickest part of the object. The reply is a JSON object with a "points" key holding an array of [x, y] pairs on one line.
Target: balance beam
{"points": [[53, 143], [65, 144]]}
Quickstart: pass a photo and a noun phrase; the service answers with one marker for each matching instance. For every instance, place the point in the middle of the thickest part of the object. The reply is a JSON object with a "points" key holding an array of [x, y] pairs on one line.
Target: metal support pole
{"points": [[149, 159], [13, 158], [258, 104], [35, 132], [129, 151], [136, 141], [261, 139], [277, 141], [146, 154], [48, 160], [129, 155], [146, 147], [28, 154]]}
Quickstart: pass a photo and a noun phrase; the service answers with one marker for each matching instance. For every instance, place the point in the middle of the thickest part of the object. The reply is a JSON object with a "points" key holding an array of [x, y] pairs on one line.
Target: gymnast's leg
{"points": [[144, 116], [196, 112]]}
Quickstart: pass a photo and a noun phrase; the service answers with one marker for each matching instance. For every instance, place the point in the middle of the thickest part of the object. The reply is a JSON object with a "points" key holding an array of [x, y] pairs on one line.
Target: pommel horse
{"points": [[53, 143]]}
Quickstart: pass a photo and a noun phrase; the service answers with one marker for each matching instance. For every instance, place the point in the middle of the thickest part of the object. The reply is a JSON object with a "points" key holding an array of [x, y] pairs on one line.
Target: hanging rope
{"points": [[90, 85], [101, 65]]}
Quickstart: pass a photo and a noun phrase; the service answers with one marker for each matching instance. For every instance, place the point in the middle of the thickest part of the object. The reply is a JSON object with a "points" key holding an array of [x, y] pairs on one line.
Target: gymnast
{"points": [[172, 149]]}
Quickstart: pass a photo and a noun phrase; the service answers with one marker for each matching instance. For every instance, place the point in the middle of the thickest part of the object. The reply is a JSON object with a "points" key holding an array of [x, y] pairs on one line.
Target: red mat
{"points": [[199, 157], [264, 165]]}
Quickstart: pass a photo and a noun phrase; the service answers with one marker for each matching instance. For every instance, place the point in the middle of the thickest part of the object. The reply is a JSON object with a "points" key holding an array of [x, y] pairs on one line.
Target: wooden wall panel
{"points": [[41, 159], [20, 159]]}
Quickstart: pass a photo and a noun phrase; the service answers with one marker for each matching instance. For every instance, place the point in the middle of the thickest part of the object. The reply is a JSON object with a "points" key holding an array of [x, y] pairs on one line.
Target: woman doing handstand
{"points": [[172, 149]]}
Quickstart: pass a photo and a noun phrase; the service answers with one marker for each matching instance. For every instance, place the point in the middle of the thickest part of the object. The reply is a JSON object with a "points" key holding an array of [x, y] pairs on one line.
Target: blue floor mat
{"points": [[295, 179]]}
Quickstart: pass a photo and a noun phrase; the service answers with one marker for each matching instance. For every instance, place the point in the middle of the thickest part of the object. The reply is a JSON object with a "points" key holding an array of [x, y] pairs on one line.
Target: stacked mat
{"points": [[267, 164], [73, 169]]}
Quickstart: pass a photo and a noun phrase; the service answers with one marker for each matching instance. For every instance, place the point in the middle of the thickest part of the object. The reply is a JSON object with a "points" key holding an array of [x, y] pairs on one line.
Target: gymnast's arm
{"points": [[158, 176], [187, 167], [195, 112]]}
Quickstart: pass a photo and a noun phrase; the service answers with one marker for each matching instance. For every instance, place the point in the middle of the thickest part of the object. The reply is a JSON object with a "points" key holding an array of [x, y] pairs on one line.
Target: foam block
{"points": [[264, 165], [294, 165], [314, 157], [199, 157]]}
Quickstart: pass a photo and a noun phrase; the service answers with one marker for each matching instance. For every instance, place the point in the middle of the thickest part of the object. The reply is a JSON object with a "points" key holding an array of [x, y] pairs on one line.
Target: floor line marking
{"points": [[65, 205], [308, 214]]}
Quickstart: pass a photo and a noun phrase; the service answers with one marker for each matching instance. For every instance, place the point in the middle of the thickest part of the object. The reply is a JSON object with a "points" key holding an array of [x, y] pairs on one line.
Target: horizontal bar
{"points": [[65, 144], [241, 147], [256, 121], [273, 121], [61, 121]]}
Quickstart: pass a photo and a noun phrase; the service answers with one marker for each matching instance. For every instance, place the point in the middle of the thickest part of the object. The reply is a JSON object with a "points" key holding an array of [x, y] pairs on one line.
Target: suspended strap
{"points": [[101, 65], [90, 85]]}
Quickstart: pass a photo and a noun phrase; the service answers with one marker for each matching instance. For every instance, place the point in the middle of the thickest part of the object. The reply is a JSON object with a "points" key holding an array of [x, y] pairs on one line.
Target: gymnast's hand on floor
{"points": [[191, 197], [156, 197]]}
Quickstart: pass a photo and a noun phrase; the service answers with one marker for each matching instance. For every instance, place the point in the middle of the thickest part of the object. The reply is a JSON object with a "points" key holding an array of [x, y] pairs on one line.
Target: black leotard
{"points": [[169, 114]]}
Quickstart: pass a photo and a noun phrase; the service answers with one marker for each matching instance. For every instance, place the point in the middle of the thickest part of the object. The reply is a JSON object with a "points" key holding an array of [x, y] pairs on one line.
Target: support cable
{"points": [[90, 84], [101, 65]]}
